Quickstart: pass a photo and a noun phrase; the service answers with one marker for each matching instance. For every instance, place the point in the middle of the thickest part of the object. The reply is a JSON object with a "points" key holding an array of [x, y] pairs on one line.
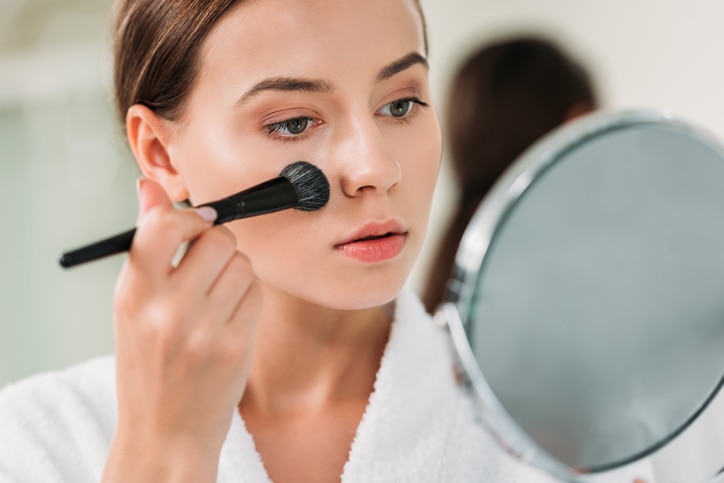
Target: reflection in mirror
{"points": [[590, 292]]}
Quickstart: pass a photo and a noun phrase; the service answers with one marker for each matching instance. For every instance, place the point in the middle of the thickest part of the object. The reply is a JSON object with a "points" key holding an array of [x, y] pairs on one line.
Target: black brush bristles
{"points": [[310, 183]]}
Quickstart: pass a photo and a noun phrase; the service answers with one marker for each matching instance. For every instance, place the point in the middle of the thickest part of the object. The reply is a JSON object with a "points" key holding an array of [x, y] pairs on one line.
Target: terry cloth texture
{"points": [[418, 426]]}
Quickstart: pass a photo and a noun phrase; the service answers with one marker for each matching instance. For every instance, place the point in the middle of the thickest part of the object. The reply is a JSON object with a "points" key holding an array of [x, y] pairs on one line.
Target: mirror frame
{"points": [[478, 236]]}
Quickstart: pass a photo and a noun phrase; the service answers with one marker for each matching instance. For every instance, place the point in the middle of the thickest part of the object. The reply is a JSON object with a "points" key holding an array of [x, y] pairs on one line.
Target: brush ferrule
{"points": [[268, 197]]}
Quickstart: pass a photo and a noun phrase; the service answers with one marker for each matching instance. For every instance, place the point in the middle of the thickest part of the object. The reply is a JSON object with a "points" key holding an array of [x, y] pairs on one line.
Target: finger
{"points": [[205, 260], [243, 322], [150, 195], [161, 232], [231, 287]]}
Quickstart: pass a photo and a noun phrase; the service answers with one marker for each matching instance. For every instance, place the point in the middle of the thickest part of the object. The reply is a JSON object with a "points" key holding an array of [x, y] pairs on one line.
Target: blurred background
{"points": [[65, 178], [66, 175]]}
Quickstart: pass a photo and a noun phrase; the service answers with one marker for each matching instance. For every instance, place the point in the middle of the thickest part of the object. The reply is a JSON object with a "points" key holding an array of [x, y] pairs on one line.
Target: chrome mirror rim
{"points": [[475, 245]]}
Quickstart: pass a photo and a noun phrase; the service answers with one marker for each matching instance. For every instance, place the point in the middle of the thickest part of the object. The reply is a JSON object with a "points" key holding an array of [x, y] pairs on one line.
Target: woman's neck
{"points": [[308, 357]]}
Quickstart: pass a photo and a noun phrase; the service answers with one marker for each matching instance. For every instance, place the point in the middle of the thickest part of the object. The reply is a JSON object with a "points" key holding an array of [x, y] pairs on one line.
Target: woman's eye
{"points": [[290, 127], [401, 107]]}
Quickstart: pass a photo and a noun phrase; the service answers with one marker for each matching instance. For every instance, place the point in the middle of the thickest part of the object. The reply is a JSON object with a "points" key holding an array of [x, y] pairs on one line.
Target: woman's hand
{"points": [[184, 337]]}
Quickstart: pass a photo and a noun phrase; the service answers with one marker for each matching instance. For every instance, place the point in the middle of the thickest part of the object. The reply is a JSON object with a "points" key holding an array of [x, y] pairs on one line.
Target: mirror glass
{"points": [[589, 291]]}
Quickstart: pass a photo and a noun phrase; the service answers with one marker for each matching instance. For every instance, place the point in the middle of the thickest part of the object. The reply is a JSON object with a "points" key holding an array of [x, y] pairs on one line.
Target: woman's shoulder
{"points": [[57, 425], [89, 381]]}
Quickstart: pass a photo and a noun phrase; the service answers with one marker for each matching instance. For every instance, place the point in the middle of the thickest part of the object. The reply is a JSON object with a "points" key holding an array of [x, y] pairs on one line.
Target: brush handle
{"points": [[273, 195], [103, 248]]}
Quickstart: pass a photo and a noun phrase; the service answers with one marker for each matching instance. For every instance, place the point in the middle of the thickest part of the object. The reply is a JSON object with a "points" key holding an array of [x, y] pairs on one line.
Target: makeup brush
{"points": [[300, 185]]}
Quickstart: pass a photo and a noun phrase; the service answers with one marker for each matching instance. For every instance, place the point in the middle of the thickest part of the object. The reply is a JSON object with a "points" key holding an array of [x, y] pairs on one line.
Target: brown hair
{"points": [[156, 50], [504, 97]]}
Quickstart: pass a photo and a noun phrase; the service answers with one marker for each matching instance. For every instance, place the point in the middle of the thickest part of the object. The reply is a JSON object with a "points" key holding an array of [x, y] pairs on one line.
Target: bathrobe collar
{"points": [[403, 431]]}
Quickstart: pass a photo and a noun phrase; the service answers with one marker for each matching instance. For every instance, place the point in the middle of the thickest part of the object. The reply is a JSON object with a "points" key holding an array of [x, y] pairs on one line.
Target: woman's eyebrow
{"points": [[413, 58], [287, 84], [292, 84]]}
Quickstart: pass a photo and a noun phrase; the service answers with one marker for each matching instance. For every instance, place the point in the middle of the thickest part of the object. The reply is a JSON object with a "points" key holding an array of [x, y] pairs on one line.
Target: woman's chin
{"points": [[358, 298]]}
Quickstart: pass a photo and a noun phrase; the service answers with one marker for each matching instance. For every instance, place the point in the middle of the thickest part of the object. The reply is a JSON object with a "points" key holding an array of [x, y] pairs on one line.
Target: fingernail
{"points": [[207, 213]]}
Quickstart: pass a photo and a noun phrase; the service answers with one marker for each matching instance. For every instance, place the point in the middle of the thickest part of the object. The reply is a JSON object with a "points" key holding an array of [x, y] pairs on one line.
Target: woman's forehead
{"points": [[263, 35]]}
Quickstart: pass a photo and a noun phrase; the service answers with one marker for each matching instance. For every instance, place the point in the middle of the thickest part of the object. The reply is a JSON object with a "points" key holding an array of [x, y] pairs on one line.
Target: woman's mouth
{"points": [[375, 242]]}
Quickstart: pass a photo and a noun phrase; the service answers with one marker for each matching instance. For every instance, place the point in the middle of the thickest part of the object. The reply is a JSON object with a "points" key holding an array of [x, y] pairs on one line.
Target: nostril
{"points": [[375, 176]]}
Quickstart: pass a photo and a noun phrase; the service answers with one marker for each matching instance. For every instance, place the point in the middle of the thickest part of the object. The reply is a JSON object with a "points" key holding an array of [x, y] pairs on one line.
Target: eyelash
{"points": [[276, 130], [406, 117]]}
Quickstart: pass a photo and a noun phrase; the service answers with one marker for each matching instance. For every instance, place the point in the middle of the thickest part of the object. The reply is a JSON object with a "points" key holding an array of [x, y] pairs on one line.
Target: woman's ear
{"points": [[149, 136]]}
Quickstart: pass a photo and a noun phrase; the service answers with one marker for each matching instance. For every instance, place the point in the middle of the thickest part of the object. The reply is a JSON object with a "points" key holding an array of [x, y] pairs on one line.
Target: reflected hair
{"points": [[504, 97]]}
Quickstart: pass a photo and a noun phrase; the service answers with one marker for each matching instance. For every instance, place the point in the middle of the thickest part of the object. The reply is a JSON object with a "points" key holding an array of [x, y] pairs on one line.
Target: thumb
{"points": [[150, 195]]}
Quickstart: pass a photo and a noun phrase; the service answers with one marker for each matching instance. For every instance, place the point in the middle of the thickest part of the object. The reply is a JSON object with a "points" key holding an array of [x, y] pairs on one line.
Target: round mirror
{"points": [[587, 305]]}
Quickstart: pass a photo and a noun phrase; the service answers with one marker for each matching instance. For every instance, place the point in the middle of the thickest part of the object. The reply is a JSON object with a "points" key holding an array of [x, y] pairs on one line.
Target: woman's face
{"points": [[342, 84]]}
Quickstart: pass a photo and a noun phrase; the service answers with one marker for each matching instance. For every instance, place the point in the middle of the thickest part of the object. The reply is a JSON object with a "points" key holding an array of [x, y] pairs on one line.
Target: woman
{"points": [[269, 352]]}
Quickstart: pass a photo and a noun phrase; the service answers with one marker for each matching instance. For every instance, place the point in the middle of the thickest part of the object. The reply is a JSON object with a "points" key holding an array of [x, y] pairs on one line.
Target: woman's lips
{"points": [[375, 242]]}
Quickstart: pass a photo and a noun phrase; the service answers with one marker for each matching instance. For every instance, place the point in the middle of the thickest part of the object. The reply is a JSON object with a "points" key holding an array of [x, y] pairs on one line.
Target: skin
{"points": [[268, 316]]}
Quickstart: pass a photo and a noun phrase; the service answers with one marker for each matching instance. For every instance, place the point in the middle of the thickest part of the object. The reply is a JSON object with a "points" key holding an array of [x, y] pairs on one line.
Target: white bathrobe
{"points": [[418, 426]]}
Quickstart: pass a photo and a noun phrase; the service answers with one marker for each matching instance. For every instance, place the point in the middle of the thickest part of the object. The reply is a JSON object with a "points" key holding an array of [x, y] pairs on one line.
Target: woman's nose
{"points": [[367, 166]]}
